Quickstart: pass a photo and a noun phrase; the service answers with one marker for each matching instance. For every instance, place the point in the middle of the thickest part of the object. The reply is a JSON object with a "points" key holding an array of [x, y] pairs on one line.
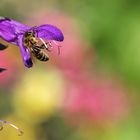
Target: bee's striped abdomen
{"points": [[39, 54]]}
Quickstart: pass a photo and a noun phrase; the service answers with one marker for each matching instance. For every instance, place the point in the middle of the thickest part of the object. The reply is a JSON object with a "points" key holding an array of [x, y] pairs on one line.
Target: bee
{"points": [[39, 53], [36, 50]]}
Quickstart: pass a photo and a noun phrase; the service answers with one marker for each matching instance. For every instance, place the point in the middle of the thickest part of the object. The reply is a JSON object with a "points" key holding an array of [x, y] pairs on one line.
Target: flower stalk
{"points": [[20, 132]]}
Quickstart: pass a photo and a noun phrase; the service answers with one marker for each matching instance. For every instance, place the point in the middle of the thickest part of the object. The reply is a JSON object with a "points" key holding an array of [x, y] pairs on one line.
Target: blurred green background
{"points": [[89, 91]]}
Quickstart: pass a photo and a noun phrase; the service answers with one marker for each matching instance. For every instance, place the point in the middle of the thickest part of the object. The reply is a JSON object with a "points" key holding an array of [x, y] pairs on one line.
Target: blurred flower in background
{"points": [[100, 101], [39, 94], [11, 63]]}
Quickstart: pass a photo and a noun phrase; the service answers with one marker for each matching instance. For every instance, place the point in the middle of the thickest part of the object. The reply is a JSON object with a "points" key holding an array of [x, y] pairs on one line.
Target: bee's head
{"points": [[30, 34]]}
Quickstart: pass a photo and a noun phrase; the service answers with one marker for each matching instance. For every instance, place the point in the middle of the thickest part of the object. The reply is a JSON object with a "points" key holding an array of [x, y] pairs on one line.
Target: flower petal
{"points": [[18, 27], [49, 32], [9, 29], [2, 69], [2, 47], [25, 53]]}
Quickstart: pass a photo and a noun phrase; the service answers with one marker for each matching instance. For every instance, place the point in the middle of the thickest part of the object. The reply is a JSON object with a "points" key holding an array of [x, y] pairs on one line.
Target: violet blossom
{"points": [[2, 69], [13, 32], [2, 47]]}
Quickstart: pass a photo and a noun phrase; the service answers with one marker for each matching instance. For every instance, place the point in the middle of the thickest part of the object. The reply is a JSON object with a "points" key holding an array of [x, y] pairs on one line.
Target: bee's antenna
{"points": [[58, 46]]}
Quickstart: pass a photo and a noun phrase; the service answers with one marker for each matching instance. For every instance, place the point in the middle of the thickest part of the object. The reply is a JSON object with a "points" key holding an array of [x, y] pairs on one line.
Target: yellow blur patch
{"points": [[39, 94]]}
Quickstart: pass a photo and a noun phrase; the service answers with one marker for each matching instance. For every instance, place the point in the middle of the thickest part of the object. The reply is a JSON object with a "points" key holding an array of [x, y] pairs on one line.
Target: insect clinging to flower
{"points": [[36, 50], [28, 39]]}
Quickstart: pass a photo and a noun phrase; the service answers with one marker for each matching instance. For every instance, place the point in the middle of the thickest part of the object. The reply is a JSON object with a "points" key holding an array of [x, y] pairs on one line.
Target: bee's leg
{"points": [[44, 47]]}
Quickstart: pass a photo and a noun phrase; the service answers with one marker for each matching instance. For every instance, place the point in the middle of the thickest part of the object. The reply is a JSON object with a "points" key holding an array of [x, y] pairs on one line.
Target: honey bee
{"points": [[39, 53], [36, 50]]}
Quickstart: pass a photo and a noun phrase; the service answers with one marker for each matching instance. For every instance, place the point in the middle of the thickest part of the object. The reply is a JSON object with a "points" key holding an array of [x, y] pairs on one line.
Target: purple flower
{"points": [[2, 47], [14, 32], [2, 69]]}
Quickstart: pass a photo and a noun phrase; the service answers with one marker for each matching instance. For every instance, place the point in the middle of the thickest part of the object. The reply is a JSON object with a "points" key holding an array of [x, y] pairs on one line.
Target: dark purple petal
{"points": [[49, 32], [18, 27], [2, 47], [2, 69], [25, 53], [7, 33], [9, 29]]}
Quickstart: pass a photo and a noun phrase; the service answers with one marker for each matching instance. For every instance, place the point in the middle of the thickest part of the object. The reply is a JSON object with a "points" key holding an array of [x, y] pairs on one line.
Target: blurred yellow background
{"points": [[91, 90]]}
